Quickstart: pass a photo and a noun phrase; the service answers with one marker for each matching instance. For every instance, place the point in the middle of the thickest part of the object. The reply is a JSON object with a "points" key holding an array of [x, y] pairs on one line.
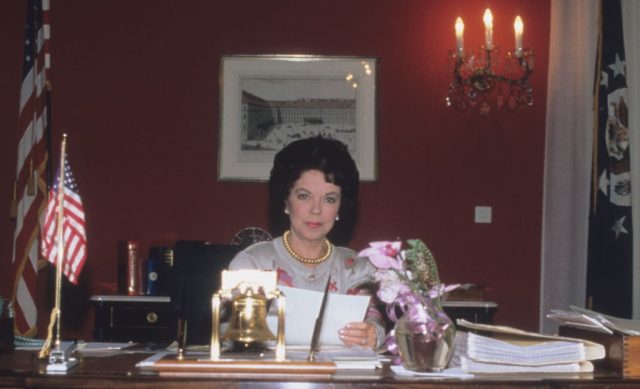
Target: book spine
{"points": [[153, 276], [133, 273]]}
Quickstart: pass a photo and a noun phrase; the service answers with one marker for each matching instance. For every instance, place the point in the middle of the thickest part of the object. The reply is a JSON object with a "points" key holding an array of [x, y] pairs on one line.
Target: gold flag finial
{"points": [[31, 182]]}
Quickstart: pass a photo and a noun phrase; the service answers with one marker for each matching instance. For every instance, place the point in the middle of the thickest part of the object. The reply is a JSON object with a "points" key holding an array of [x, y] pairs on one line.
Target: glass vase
{"points": [[425, 337]]}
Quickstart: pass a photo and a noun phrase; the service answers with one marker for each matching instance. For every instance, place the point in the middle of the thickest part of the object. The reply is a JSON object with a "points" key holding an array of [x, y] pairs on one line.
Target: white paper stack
{"points": [[302, 308], [510, 350], [595, 321], [345, 358], [578, 320]]}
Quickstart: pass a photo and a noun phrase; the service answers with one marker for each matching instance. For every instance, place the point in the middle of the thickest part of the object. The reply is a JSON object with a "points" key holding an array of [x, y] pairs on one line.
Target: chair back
{"points": [[196, 276]]}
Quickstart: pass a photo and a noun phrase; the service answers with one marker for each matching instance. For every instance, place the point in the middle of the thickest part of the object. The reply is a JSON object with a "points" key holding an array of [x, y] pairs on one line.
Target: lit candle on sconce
{"points": [[518, 27], [482, 79], [459, 33], [488, 29]]}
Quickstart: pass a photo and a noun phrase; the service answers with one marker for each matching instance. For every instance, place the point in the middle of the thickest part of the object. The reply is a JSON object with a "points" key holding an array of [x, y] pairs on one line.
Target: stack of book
{"points": [[620, 337], [501, 349]]}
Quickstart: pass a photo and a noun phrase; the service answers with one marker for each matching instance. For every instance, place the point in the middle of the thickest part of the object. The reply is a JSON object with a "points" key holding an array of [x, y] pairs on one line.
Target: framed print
{"points": [[266, 102]]}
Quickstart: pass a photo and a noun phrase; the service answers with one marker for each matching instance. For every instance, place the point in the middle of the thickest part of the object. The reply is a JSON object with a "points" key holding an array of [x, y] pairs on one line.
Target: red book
{"points": [[129, 268]]}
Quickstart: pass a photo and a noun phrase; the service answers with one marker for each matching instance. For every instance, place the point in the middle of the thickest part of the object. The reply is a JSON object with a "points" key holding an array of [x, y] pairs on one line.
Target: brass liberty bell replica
{"points": [[248, 323], [249, 292]]}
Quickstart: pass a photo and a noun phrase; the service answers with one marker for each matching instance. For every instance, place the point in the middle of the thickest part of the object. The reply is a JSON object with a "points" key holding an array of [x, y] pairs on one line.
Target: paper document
{"points": [[511, 350], [617, 324], [302, 308], [345, 358], [485, 349], [149, 362], [101, 346], [471, 366], [101, 349], [458, 373], [579, 320], [511, 346]]}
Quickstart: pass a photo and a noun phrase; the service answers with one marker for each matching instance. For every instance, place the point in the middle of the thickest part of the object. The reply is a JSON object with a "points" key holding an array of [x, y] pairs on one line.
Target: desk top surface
{"points": [[129, 299], [166, 299], [21, 369]]}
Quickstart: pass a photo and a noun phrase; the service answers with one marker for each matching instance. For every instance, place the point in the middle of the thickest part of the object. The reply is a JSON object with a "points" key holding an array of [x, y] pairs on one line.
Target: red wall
{"points": [[136, 88]]}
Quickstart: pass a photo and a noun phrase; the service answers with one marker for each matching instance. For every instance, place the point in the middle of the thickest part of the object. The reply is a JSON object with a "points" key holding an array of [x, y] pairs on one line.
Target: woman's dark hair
{"points": [[329, 156]]}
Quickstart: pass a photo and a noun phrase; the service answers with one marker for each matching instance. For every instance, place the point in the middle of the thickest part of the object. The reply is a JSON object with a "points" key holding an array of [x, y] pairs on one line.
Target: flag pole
{"points": [[55, 313], [60, 194]]}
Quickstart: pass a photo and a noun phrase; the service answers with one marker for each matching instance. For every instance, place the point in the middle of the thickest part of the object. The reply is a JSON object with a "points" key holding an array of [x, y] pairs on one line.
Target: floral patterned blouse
{"points": [[349, 274]]}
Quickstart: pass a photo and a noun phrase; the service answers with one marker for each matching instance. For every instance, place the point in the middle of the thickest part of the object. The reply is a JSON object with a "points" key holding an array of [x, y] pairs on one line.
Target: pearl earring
{"points": [[337, 217], [286, 211]]}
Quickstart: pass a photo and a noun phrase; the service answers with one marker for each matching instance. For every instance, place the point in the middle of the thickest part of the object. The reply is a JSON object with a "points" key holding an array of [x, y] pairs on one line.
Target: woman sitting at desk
{"points": [[314, 182]]}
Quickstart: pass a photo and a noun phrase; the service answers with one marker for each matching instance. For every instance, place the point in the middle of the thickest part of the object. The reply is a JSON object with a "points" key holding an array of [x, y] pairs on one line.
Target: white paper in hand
{"points": [[302, 308]]}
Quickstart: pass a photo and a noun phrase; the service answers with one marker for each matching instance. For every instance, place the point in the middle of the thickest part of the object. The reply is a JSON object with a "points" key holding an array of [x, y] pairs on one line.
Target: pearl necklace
{"points": [[311, 261]]}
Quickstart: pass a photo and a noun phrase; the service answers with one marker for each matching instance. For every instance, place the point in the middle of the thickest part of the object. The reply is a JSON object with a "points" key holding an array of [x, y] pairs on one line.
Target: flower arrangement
{"points": [[410, 286]]}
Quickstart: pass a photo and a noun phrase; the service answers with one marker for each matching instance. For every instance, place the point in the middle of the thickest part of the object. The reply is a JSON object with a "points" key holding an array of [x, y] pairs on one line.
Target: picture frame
{"points": [[268, 101]]}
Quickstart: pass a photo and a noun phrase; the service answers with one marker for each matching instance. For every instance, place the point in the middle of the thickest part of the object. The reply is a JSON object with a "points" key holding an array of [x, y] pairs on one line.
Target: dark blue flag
{"points": [[610, 262]]}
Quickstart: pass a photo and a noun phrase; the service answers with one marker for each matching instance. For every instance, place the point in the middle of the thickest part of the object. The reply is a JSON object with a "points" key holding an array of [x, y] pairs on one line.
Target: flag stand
{"points": [[60, 359]]}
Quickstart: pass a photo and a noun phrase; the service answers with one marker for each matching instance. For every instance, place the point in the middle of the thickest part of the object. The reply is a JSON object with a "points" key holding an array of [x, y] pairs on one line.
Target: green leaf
{"points": [[422, 264]]}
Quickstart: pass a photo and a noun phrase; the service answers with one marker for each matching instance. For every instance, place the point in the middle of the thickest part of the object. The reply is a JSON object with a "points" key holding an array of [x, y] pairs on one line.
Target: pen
{"points": [[316, 329]]}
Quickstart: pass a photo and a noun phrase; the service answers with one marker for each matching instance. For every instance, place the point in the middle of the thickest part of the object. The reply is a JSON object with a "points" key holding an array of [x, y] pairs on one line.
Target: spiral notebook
{"points": [[510, 350]]}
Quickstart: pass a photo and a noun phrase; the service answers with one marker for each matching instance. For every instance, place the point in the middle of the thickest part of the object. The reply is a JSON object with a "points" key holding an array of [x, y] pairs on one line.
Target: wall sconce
{"points": [[482, 80]]}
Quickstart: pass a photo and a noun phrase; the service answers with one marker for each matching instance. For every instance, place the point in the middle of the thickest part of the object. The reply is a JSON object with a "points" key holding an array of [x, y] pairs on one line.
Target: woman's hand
{"points": [[359, 334]]}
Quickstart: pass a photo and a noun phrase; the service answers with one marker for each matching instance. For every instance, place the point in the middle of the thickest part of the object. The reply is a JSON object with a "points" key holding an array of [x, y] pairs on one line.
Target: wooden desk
{"points": [[21, 369], [132, 318], [473, 311], [148, 318]]}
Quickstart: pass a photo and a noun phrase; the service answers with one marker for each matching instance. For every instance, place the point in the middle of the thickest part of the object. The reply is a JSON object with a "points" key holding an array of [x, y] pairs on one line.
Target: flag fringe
{"points": [[46, 347]]}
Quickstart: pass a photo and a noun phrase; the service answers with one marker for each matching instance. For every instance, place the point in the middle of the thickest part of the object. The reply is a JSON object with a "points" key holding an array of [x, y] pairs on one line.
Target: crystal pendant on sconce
{"points": [[472, 95], [485, 81], [455, 100], [529, 97], [485, 108]]}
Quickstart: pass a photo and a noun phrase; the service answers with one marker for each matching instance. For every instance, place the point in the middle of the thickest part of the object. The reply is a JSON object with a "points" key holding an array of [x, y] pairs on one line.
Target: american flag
{"points": [[30, 185], [74, 236]]}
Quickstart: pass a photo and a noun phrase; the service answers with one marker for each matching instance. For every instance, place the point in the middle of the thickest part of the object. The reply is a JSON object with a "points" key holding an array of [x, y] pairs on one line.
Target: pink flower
{"points": [[404, 291], [384, 255], [390, 286], [439, 290], [389, 293]]}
